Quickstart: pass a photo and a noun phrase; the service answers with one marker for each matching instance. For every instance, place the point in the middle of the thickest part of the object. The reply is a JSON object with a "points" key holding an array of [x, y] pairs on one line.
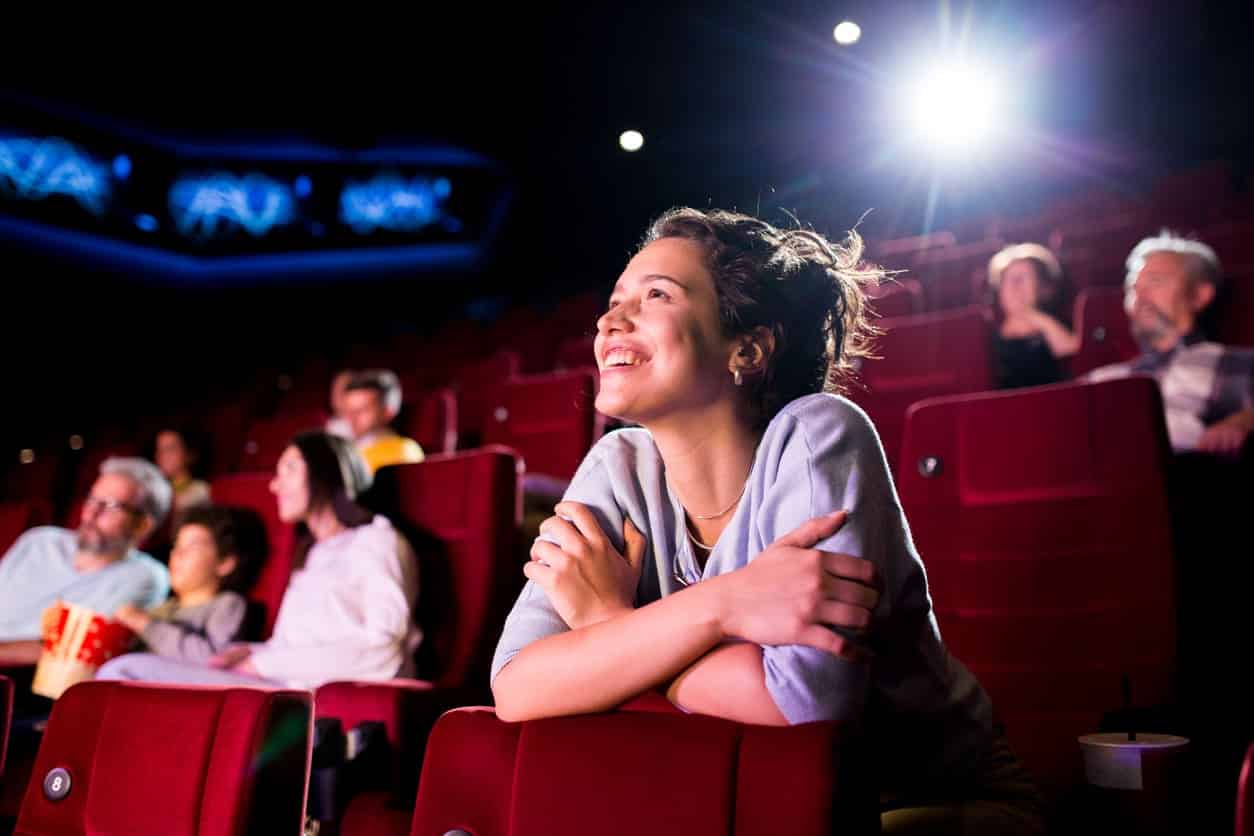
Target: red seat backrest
{"points": [[898, 297], [576, 353], [252, 491], [1042, 518], [628, 773], [1102, 324], [462, 512], [549, 419], [161, 760], [1236, 317], [478, 385], [16, 517], [949, 275], [267, 438], [922, 356], [432, 420], [36, 479]]}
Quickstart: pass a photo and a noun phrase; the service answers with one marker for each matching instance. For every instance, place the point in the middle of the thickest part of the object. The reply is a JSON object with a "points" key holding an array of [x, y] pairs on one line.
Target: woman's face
{"points": [[291, 486], [1019, 289], [171, 454], [659, 346]]}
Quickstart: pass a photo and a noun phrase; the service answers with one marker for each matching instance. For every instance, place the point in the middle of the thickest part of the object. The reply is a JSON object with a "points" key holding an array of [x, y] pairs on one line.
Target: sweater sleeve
{"points": [[373, 616], [192, 642], [533, 616], [829, 458]]}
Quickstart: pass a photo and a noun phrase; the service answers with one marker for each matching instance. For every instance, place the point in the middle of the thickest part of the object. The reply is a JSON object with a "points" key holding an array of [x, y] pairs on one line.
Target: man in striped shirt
{"points": [[1207, 388]]}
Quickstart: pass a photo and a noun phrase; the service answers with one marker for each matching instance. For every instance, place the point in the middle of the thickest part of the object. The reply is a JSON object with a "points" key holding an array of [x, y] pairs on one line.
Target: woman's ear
{"points": [[753, 351]]}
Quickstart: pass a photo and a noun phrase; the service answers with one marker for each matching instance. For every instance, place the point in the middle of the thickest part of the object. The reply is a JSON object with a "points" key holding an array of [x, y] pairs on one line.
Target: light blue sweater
{"points": [[819, 454]]}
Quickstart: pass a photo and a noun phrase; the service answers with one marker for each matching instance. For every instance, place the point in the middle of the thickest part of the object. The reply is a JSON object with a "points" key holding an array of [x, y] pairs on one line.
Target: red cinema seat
{"points": [[267, 438], [531, 334], [477, 386], [922, 356], [1042, 518], [461, 513], [897, 297], [1236, 313], [16, 517], [252, 491], [551, 421], [226, 424], [432, 420], [949, 275], [1102, 324], [1245, 796], [34, 476], [628, 773], [149, 760], [576, 353]]}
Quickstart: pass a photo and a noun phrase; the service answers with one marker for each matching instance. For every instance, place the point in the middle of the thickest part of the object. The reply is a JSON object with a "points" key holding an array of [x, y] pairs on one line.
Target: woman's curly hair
{"points": [[807, 290]]}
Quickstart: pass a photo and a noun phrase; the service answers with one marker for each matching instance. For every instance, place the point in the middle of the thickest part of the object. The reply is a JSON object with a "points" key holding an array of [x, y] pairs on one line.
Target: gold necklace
{"points": [[725, 510], [695, 541]]}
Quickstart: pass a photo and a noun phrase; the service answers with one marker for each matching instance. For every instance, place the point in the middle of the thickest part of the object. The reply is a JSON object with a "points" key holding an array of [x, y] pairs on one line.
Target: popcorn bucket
{"points": [[76, 641]]}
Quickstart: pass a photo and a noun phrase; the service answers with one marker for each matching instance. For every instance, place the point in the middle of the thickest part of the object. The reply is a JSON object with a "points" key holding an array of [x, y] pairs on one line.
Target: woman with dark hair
{"points": [[730, 549], [348, 609], [179, 455], [1027, 292]]}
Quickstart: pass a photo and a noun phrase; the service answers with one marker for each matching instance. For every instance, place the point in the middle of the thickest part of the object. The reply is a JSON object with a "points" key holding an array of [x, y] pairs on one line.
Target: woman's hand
{"points": [[133, 617], [585, 577], [791, 593], [232, 658]]}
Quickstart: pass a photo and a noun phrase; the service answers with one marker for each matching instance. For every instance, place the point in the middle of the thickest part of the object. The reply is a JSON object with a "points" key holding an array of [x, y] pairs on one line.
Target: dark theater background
{"points": [[203, 218]]}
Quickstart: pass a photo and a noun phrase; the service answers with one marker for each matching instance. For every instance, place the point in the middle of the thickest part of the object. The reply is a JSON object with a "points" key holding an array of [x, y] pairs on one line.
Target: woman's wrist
{"points": [[606, 613], [710, 605]]}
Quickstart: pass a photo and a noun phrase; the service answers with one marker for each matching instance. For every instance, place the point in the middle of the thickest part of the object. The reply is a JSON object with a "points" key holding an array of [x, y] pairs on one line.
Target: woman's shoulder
{"points": [[622, 447], [822, 415]]}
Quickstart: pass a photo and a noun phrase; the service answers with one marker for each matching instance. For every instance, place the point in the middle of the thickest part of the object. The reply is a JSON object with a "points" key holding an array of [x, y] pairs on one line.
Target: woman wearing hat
{"points": [[1027, 291], [348, 609]]}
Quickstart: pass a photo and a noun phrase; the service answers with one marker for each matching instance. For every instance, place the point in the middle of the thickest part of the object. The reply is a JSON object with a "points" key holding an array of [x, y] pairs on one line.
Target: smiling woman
{"points": [[743, 548]]}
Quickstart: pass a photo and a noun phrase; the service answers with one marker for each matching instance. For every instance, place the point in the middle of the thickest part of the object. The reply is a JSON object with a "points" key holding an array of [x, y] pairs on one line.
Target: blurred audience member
{"points": [[1207, 388], [98, 567], [372, 401], [337, 424], [1027, 291], [348, 609], [178, 454], [212, 563]]}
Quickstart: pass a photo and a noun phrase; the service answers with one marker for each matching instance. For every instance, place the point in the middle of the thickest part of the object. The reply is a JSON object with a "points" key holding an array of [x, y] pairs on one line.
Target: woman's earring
{"points": [[738, 378]]}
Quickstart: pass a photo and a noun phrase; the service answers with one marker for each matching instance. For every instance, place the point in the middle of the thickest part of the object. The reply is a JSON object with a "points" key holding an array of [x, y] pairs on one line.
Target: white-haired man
{"points": [[98, 566], [372, 400], [1207, 388]]}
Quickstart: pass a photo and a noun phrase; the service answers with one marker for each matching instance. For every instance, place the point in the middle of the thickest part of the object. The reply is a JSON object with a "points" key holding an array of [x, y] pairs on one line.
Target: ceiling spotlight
{"points": [[847, 33], [631, 140]]}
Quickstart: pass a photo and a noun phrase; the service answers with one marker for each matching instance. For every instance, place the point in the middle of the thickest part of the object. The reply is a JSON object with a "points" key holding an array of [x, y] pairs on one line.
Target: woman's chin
{"points": [[613, 407]]}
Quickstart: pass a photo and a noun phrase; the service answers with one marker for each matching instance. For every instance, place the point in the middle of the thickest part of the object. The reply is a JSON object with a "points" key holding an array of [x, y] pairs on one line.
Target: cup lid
{"points": [[1144, 740]]}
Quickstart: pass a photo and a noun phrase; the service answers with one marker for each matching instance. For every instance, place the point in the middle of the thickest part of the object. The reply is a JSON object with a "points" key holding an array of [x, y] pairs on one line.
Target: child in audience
{"points": [[347, 612], [210, 562]]}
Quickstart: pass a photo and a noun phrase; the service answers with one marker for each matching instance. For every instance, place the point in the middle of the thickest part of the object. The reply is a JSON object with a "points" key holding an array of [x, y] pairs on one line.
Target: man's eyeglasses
{"points": [[102, 504]]}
